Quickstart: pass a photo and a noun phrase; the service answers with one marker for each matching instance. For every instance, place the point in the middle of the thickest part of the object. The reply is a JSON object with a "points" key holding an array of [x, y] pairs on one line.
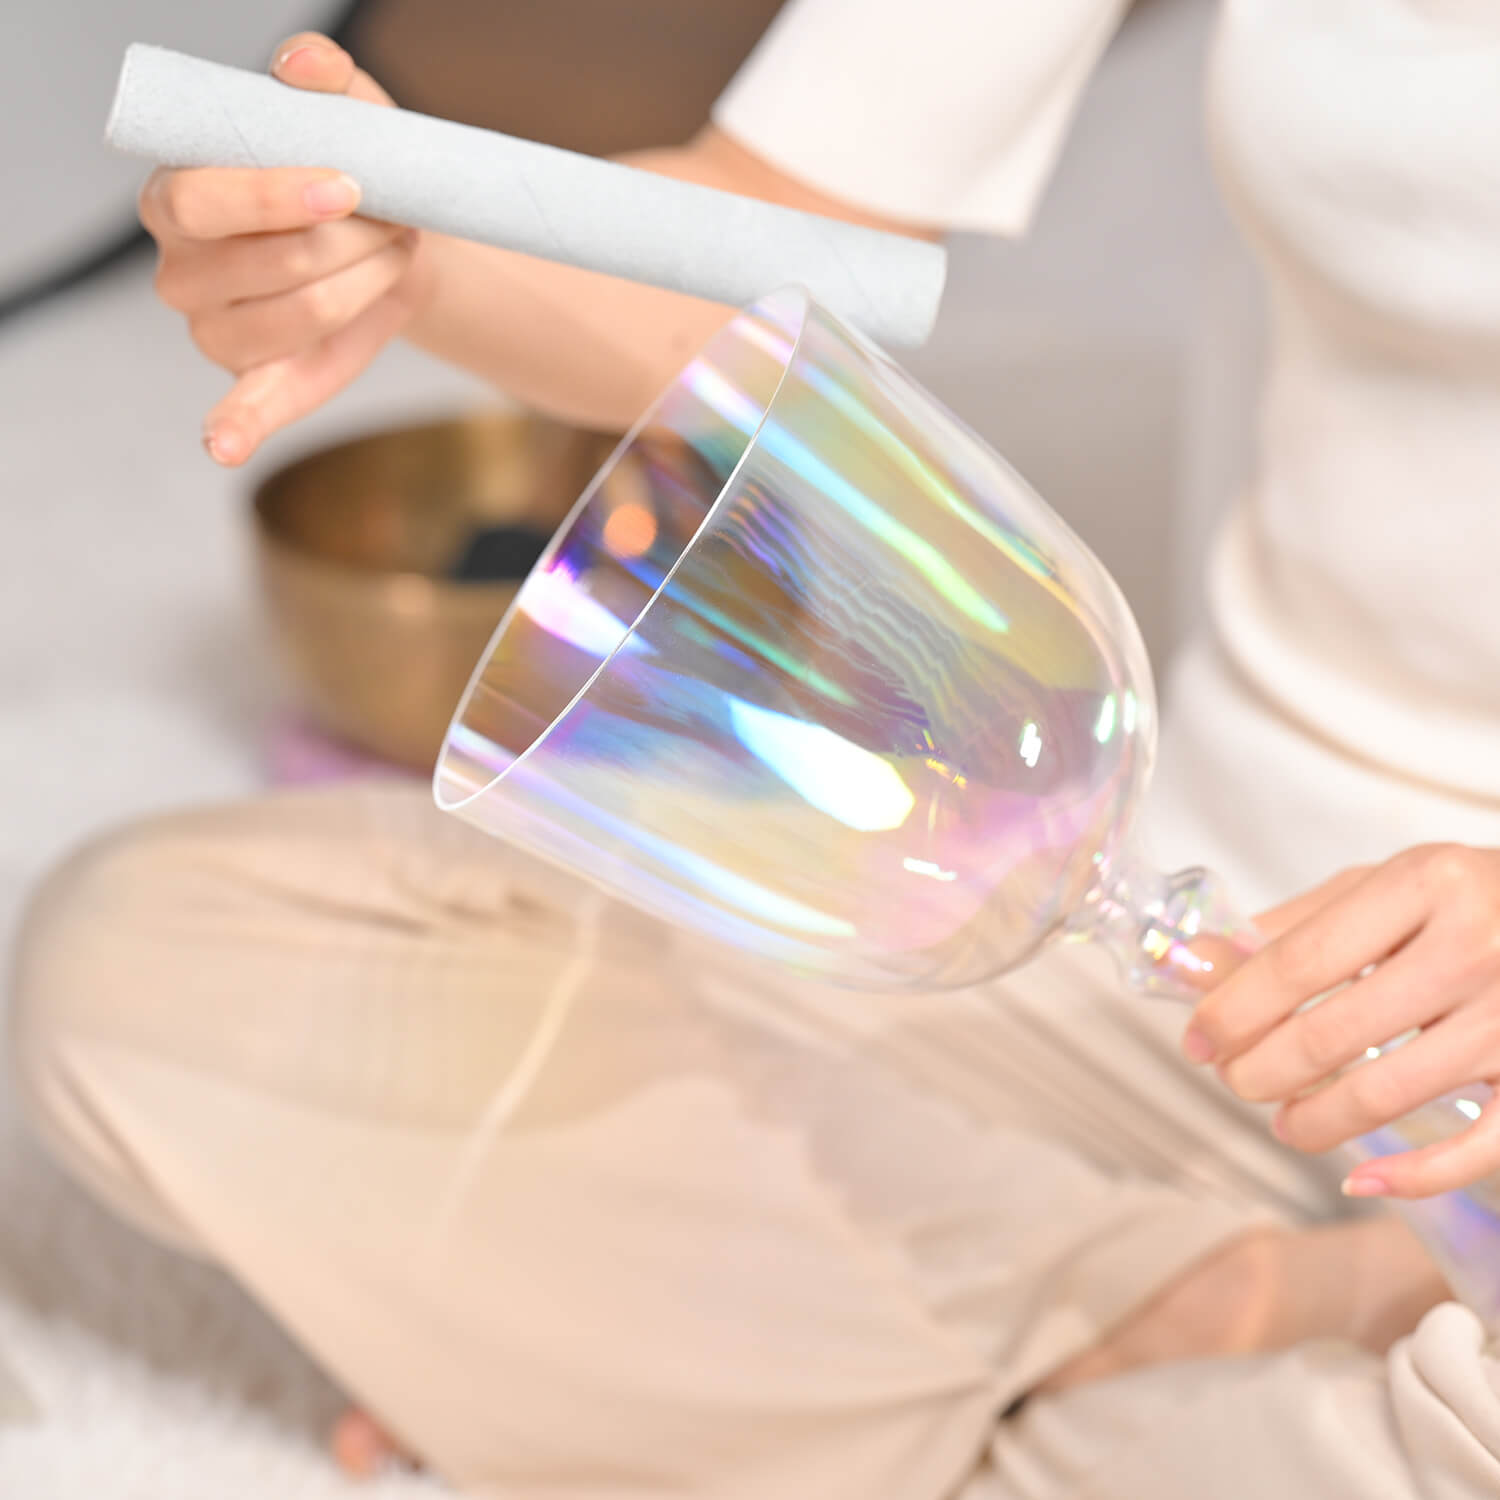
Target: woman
{"points": [[732, 1236]]}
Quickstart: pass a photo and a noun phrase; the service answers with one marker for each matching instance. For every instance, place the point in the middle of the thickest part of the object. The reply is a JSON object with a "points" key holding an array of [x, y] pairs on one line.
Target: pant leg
{"points": [[572, 1205]]}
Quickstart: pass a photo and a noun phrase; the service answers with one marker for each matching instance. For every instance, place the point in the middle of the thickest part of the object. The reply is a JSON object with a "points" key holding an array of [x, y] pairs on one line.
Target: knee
{"points": [[110, 924], [78, 964], [76, 979], [61, 965]]}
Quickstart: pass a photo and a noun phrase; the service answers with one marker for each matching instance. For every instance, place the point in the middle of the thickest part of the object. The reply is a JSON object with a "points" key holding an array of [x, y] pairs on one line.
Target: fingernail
{"points": [[283, 58], [224, 444], [1364, 1185], [331, 195], [1278, 1128], [1197, 1046]]}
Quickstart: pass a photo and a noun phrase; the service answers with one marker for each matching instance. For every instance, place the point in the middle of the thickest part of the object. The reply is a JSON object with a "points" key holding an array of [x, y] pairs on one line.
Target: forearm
{"points": [[587, 348]]}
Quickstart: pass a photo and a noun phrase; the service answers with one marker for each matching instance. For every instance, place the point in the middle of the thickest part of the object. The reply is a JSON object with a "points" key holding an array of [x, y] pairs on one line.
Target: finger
{"points": [[1271, 924], [212, 203], [252, 333], [274, 396], [1385, 1090], [1215, 958], [1358, 927], [1458, 1162], [198, 278], [311, 61], [1411, 989]]}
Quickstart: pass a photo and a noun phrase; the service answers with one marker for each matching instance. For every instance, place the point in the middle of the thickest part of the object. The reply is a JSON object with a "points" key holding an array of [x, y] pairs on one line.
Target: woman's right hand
{"points": [[280, 281]]}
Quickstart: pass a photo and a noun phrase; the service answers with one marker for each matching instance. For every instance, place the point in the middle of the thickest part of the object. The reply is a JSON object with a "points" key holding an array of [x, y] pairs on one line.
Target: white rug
{"points": [[132, 678]]}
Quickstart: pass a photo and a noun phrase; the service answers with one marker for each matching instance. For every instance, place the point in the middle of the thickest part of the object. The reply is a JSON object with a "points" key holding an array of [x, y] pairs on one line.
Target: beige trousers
{"points": [[580, 1210]]}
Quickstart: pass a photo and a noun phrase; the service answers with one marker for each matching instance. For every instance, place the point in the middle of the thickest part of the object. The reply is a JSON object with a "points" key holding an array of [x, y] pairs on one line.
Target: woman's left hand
{"points": [[1429, 923]]}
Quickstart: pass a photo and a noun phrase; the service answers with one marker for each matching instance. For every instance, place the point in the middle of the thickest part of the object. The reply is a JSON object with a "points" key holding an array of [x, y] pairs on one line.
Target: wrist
{"points": [[430, 270]]}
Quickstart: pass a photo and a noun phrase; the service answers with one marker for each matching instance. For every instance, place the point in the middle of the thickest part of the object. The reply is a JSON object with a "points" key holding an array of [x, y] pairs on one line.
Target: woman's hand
{"points": [[1416, 944], [284, 286], [279, 281]]}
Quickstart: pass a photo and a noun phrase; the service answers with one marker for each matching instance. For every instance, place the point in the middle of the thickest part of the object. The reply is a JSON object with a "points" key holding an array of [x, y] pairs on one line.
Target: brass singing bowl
{"points": [[356, 546]]}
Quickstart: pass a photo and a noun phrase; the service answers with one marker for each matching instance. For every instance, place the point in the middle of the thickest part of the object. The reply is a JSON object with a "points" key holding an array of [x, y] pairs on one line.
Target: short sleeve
{"points": [[949, 113]]}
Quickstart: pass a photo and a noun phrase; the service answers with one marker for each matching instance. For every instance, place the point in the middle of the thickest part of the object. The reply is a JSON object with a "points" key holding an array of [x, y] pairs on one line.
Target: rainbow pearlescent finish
{"points": [[1462, 1230], [811, 670]]}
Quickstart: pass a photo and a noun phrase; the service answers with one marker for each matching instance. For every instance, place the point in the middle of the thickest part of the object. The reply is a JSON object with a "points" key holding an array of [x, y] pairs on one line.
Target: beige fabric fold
{"points": [[580, 1209], [715, 1232]]}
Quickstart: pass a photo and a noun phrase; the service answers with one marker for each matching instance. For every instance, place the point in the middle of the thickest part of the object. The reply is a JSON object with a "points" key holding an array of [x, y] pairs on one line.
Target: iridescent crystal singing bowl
{"points": [[810, 670]]}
